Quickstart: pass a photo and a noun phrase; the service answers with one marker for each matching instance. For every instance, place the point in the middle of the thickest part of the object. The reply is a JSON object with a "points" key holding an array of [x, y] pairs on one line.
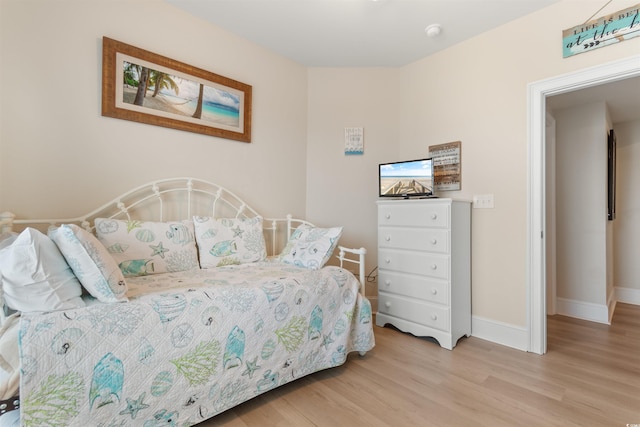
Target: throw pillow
{"points": [[146, 247], [228, 241], [311, 247], [35, 275], [91, 263]]}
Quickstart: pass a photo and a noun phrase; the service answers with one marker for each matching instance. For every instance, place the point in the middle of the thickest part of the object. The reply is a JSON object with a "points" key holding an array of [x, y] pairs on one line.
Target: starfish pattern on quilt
{"points": [[133, 406], [326, 340], [252, 366]]}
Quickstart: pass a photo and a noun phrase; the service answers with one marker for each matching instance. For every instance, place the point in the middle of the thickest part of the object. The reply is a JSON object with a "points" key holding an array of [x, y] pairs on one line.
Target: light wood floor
{"points": [[589, 377]]}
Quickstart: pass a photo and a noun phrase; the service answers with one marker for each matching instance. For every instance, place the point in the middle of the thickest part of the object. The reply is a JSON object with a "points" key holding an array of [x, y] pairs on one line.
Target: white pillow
{"points": [[228, 241], [7, 238], [9, 358], [35, 275], [142, 248], [91, 263], [311, 247]]}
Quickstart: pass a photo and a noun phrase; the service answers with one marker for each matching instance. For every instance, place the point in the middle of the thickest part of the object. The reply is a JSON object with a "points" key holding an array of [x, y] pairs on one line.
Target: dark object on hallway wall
{"points": [[611, 176]]}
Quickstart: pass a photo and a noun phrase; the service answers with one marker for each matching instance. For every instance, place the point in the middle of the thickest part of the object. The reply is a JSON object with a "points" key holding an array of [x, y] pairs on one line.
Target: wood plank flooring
{"points": [[590, 376]]}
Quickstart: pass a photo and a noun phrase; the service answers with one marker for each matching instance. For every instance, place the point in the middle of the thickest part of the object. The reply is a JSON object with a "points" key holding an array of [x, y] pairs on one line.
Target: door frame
{"points": [[537, 92], [550, 213]]}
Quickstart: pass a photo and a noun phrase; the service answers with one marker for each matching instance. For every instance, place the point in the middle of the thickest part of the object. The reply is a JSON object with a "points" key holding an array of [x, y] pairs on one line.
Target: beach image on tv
{"points": [[406, 178], [171, 94]]}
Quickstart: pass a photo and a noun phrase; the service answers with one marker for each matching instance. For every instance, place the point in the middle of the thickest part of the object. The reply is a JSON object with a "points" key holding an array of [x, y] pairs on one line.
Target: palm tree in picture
{"points": [[198, 112], [161, 81], [142, 86], [131, 73]]}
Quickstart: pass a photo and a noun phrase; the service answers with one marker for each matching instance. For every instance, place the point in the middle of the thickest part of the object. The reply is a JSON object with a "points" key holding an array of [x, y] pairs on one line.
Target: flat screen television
{"points": [[406, 179]]}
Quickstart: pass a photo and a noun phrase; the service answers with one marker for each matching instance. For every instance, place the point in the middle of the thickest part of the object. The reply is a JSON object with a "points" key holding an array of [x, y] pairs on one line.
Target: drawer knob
{"points": [[434, 216], [434, 317], [387, 304], [388, 261], [388, 238], [388, 216], [434, 291], [434, 241], [434, 266], [387, 282]]}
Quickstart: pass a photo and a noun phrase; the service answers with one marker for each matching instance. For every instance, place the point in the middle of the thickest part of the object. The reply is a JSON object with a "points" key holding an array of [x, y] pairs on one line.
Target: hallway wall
{"points": [[583, 234], [626, 227]]}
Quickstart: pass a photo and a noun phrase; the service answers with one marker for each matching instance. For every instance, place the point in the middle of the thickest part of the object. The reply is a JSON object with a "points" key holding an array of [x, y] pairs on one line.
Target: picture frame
{"points": [[447, 166], [145, 87], [611, 175]]}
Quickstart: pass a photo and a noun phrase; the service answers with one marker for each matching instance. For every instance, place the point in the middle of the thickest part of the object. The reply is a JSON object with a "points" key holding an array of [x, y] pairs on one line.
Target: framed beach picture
{"points": [[145, 87]]}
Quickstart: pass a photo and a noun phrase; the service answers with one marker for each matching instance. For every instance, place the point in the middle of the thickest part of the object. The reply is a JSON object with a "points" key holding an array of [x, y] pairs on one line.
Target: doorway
{"points": [[536, 192]]}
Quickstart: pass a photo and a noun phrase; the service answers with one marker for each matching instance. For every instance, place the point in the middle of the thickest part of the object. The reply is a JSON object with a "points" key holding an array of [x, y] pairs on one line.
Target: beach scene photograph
{"points": [[175, 95], [406, 178]]}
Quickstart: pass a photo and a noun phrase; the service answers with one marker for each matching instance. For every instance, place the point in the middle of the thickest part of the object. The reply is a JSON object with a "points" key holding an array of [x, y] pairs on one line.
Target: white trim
{"points": [[583, 310], [628, 295], [550, 218], [537, 93], [499, 332], [611, 303]]}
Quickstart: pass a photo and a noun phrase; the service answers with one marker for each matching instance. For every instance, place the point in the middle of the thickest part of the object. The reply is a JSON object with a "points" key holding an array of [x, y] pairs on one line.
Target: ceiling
{"points": [[622, 98], [386, 33], [357, 33]]}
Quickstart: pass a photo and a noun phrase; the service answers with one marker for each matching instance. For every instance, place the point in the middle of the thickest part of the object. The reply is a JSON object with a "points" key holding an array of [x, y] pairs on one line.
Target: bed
{"points": [[168, 305]]}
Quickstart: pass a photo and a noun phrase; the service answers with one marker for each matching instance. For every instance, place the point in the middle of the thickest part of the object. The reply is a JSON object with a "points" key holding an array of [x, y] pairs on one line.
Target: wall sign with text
{"points": [[617, 27], [447, 166]]}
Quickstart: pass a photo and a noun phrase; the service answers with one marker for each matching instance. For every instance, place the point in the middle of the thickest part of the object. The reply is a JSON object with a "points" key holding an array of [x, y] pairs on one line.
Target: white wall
{"points": [[627, 223], [581, 203], [342, 190], [474, 92], [56, 147]]}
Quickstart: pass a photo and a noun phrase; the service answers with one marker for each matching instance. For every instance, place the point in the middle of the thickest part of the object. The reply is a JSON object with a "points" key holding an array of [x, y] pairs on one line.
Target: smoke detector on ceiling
{"points": [[433, 30]]}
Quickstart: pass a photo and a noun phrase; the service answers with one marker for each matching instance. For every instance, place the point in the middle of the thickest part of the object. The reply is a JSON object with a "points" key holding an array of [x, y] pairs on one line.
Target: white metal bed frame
{"points": [[182, 198]]}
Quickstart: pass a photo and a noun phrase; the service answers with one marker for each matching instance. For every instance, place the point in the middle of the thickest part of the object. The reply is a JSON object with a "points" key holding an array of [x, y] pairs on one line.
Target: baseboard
{"points": [[628, 295], [518, 337], [500, 333], [489, 330], [583, 310]]}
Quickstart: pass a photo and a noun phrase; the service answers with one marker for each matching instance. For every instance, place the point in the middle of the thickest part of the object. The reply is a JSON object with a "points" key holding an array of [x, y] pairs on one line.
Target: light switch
{"points": [[483, 201]]}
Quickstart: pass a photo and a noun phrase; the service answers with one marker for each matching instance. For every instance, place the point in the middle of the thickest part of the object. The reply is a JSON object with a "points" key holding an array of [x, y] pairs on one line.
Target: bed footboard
{"points": [[348, 255]]}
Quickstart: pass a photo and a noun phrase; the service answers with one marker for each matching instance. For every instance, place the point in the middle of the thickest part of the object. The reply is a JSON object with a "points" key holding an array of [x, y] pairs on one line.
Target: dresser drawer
{"points": [[427, 264], [414, 215], [415, 311], [420, 239], [431, 290]]}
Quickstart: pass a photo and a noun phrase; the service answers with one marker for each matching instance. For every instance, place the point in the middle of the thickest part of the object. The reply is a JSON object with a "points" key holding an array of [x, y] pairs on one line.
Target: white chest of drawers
{"points": [[424, 264]]}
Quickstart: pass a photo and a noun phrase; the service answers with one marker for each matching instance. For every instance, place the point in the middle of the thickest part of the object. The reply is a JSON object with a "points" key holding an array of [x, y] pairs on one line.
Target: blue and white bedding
{"points": [[188, 345]]}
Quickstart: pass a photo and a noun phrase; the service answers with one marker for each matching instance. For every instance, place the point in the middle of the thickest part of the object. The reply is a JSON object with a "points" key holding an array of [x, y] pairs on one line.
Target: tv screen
{"points": [[409, 178]]}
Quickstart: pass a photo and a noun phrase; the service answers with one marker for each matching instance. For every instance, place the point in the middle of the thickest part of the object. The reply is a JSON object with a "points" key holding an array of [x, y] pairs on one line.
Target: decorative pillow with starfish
{"points": [[229, 241], [145, 247]]}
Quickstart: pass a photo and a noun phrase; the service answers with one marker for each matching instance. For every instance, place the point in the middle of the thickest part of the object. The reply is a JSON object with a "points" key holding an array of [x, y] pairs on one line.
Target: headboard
{"points": [[181, 198]]}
